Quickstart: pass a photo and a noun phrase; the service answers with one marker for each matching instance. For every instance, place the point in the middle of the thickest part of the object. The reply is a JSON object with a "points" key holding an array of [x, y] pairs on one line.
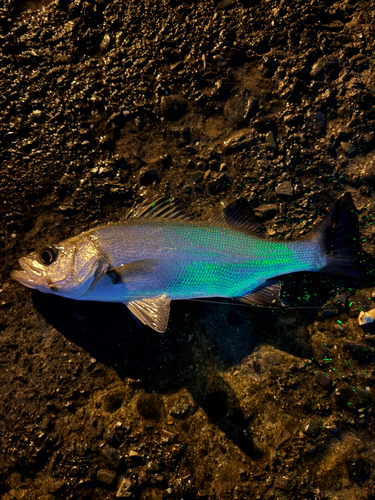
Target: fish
{"points": [[159, 253]]}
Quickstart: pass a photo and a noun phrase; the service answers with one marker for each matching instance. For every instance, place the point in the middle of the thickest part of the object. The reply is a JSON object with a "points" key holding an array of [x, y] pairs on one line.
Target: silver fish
{"points": [[159, 253]]}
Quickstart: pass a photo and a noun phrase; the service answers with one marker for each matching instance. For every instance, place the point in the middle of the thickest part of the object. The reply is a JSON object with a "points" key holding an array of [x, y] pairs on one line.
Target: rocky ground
{"points": [[105, 103]]}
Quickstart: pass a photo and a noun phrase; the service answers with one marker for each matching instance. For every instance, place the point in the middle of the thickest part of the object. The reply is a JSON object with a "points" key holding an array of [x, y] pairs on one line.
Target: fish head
{"points": [[70, 269]]}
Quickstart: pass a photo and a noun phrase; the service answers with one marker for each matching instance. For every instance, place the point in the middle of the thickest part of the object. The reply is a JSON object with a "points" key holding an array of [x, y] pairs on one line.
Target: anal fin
{"points": [[266, 294], [153, 311]]}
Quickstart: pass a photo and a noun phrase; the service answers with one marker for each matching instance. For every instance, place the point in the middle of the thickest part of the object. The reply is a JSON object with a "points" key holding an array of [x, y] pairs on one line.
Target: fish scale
{"points": [[199, 260]]}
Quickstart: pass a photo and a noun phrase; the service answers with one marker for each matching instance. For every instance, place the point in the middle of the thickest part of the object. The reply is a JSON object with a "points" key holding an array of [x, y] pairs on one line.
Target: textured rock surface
{"points": [[105, 103]]}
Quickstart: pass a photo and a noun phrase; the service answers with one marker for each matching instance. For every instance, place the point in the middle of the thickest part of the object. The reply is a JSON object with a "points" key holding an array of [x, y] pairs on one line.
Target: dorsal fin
{"points": [[238, 215], [162, 208]]}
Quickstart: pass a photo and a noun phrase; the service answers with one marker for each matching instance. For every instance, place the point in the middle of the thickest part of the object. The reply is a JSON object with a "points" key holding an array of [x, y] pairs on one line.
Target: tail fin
{"points": [[339, 238]]}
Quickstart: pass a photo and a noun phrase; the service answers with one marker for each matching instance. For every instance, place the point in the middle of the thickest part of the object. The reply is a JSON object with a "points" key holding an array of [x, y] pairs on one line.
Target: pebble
{"points": [[112, 456], [124, 489], [284, 189], [220, 60], [270, 141], [368, 172], [319, 121], [326, 66], [238, 141], [106, 477], [172, 107], [323, 379], [320, 351], [349, 149], [252, 107], [150, 406], [148, 176], [219, 184]]}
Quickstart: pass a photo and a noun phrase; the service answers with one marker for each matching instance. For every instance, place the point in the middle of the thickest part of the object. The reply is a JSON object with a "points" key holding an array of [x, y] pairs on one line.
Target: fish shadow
{"points": [[211, 336]]}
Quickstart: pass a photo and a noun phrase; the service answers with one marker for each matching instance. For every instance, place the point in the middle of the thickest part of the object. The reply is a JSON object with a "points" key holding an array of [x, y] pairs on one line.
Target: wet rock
{"points": [[112, 456], [368, 172], [349, 149], [124, 490], [320, 351], [251, 108], [270, 141], [266, 210], [284, 189], [106, 477], [326, 66], [361, 352], [359, 470], [148, 176], [150, 406], [285, 436], [238, 141], [323, 379], [313, 427], [105, 43], [220, 184], [353, 399], [318, 119], [273, 358], [181, 408], [56, 487], [219, 60], [172, 107]]}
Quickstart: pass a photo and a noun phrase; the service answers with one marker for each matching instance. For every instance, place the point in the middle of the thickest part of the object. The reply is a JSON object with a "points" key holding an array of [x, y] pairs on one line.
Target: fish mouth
{"points": [[22, 277], [30, 276]]}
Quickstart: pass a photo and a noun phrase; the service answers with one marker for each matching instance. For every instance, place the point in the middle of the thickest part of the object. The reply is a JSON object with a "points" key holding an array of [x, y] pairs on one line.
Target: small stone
{"points": [[148, 177], [285, 436], [172, 107], [326, 66], [251, 108], [270, 141], [124, 489], [284, 189], [105, 43], [266, 210], [238, 141], [323, 379], [180, 409], [112, 456], [349, 149], [220, 184], [361, 352], [359, 470], [220, 60], [56, 486], [320, 351], [75, 471], [106, 477], [319, 121], [150, 406], [368, 172]]}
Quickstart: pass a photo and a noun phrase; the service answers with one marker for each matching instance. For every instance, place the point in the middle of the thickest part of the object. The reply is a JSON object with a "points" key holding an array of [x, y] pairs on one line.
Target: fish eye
{"points": [[47, 255]]}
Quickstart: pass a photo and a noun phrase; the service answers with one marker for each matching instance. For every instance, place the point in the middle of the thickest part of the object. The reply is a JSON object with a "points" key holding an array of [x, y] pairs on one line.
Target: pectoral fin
{"points": [[133, 271], [153, 312], [267, 294]]}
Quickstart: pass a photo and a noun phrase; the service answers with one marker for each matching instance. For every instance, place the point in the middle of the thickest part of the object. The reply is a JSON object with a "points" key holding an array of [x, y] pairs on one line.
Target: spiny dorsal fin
{"points": [[238, 215], [162, 208], [133, 271], [267, 294], [153, 312]]}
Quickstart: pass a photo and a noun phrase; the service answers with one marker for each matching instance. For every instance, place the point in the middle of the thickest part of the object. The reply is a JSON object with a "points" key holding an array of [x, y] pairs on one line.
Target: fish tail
{"points": [[339, 239]]}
